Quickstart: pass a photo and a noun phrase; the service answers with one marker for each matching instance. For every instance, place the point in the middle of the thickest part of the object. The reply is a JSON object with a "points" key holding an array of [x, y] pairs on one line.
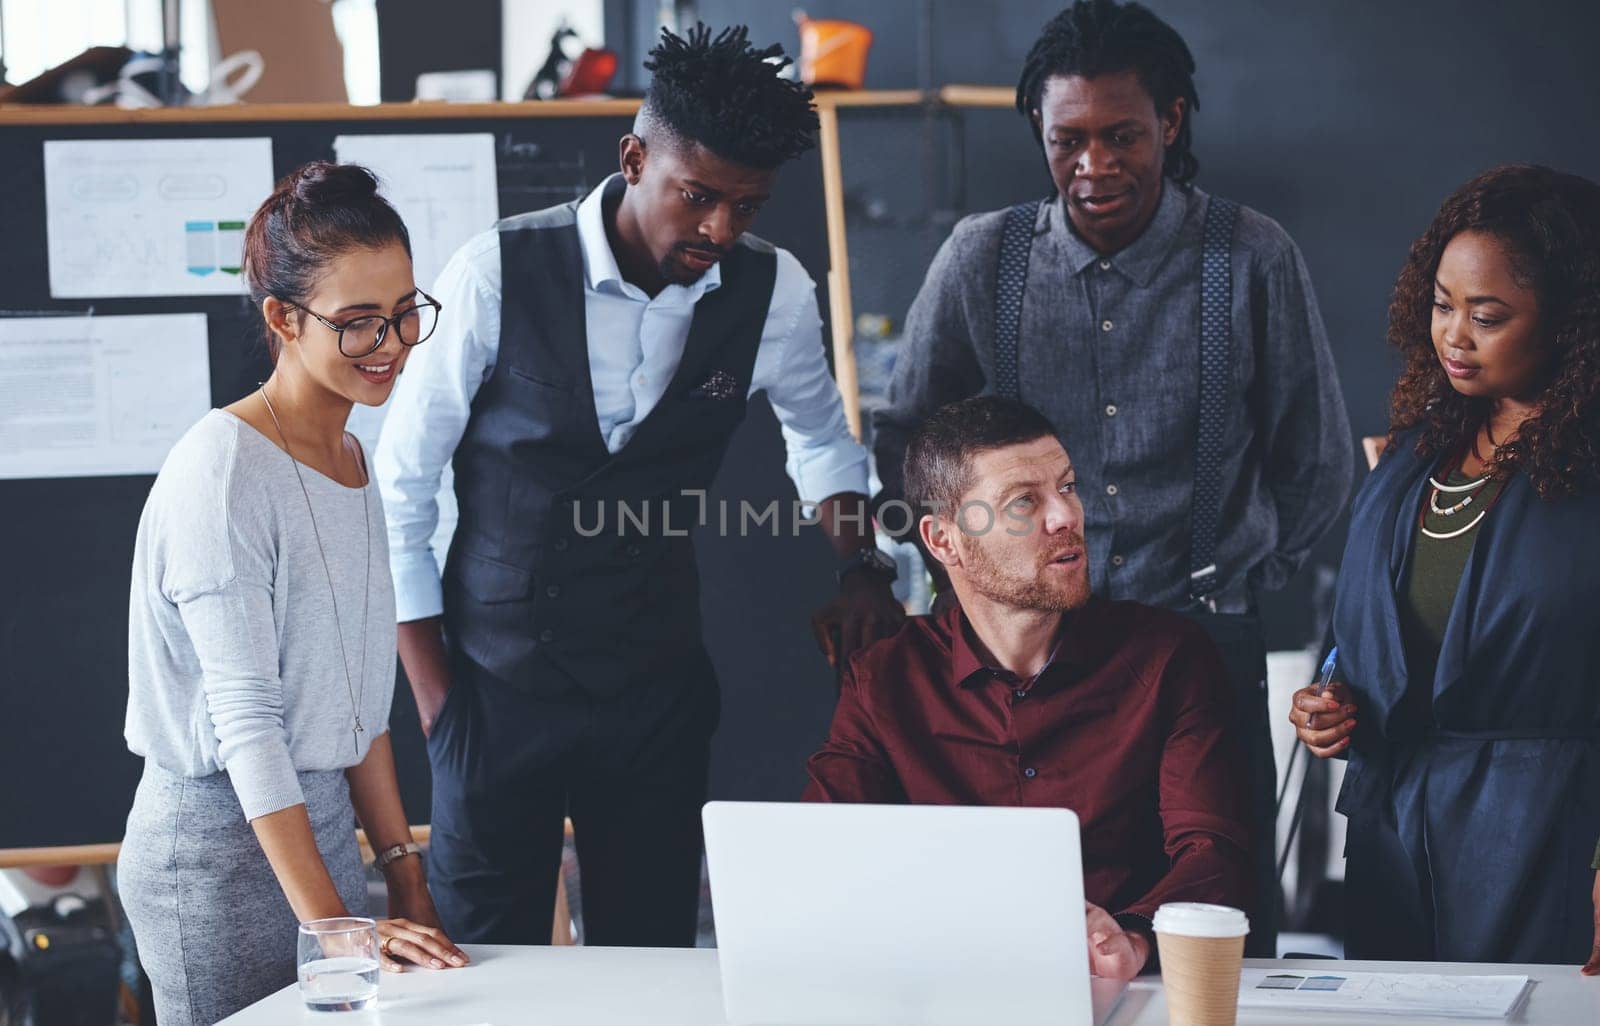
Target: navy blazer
{"points": [[1471, 832]]}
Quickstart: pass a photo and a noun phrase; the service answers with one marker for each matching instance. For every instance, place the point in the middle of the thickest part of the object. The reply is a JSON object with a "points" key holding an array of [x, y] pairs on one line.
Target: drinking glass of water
{"points": [[339, 964]]}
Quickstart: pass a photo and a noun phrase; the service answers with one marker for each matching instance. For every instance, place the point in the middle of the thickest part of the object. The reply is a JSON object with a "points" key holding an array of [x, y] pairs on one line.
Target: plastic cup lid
{"points": [[1194, 919]]}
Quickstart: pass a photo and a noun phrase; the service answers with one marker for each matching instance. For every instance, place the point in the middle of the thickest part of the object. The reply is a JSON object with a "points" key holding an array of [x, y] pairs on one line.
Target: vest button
{"points": [[554, 591], [561, 545], [547, 636], [633, 551]]}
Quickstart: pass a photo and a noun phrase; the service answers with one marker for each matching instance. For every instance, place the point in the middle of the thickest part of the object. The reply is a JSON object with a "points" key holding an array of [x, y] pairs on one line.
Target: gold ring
{"points": [[385, 946]]}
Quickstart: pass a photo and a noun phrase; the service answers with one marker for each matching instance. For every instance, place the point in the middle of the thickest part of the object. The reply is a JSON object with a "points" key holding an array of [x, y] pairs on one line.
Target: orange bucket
{"points": [[834, 53]]}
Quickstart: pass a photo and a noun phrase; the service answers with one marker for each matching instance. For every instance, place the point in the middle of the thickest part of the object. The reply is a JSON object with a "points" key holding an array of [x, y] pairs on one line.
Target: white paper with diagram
{"points": [[445, 187], [151, 217], [1412, 995]]}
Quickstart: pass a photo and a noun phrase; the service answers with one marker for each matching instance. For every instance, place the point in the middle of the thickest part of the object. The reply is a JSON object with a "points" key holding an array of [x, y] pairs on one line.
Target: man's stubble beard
{"points": [[1034, 593]]}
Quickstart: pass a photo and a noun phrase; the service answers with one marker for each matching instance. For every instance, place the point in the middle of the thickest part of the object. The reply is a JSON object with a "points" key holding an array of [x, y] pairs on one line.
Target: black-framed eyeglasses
{"points": [[362, 336]]}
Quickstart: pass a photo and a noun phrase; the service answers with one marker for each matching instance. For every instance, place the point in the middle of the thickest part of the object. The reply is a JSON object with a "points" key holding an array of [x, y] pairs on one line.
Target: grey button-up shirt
{"points": [[1110, 353]]}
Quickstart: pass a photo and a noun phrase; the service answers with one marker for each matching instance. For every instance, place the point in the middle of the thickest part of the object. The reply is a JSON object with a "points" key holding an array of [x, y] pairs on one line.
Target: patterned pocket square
{"points": [[720, 385]]}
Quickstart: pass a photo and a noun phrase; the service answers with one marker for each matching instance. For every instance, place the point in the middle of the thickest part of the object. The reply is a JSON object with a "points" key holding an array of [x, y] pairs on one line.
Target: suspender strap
{"points": [[1216, 360], [1016, 244], [1216, 364]]}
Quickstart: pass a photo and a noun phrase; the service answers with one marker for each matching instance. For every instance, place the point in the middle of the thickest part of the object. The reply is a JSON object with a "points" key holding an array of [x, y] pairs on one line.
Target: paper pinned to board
{"points": [[445, 187], [95, 396], [151, 217], [1399, 994]]}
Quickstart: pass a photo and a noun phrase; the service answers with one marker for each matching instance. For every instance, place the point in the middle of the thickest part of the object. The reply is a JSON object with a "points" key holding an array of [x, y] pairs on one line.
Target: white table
{"points": [[577, 986]]}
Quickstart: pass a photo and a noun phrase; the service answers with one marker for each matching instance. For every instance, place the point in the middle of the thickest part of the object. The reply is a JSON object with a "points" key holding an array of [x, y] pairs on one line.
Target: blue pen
{"points": [[1327, 674], [1324, 681], [1327, 669]]}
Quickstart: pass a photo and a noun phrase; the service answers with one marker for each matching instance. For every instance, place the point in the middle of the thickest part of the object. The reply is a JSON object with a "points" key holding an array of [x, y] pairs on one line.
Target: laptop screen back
{"points": [[838, 915]]}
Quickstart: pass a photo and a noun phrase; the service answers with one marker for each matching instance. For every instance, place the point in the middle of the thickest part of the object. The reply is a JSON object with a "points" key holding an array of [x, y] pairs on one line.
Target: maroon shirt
{"points": [[1128, 726]]}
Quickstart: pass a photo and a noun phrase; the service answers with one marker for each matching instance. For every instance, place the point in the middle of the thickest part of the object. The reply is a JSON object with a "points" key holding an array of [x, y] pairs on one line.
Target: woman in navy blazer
{"points": [[1468, 610]]}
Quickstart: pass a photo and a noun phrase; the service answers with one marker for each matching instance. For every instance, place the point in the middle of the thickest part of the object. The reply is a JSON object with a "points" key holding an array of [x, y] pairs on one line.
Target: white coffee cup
{"points": [[1202, 947]]}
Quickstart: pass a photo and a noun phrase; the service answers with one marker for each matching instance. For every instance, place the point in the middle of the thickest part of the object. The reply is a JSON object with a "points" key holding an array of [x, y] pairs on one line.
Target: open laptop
{"points": [[894, 915]]}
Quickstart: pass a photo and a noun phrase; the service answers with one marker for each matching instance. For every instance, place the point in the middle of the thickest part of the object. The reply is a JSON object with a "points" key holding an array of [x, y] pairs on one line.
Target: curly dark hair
{"points": [[1549, 225], [726, 95], [1099, 37]]}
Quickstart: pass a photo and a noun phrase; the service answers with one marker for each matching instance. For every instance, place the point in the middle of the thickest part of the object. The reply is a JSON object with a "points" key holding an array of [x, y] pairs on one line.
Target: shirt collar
{"points": [[968, 669], [600, 270], [1140, 259]]}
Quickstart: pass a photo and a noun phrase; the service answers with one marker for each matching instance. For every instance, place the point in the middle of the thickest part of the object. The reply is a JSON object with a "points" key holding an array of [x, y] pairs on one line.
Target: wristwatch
{"points": [[398, 851], [871, 560]]}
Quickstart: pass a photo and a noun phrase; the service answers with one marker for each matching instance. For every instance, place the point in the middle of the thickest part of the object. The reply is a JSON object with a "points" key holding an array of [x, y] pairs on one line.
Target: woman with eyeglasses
{"points": [[262, 632]]}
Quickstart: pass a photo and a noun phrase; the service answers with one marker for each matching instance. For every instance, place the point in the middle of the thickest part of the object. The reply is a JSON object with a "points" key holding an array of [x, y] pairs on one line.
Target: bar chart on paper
{"points": [[151, 217]]}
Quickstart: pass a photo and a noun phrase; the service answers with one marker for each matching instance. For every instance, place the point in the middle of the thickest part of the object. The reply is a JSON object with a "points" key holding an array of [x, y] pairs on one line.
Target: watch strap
{"points": [[871, 559], [398, 851]]}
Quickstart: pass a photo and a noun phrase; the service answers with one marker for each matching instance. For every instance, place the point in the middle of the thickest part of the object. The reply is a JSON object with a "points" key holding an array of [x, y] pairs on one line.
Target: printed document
{"points": [[1400, 994], [151, 217], [444, 186], [95, 396]]}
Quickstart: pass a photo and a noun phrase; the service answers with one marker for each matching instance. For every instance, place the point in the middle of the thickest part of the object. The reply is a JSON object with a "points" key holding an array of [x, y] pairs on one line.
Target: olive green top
{"points": [[1431, 581], [1433, 575]]}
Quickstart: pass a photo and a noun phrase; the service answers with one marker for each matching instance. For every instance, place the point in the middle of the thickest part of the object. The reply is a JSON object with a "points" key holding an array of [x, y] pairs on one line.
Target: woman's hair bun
{"points": [[315, 214], [324, 183]]}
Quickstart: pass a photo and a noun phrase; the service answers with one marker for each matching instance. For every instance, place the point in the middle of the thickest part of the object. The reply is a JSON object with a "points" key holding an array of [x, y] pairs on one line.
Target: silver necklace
{"points": [[1450, 511], [1450, 489], [1458, 532], [366, 588], [1446, 511]]}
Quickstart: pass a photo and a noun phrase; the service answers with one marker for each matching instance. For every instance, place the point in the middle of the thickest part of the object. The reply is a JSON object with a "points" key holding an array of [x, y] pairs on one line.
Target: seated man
{"points": [[1033, 692]]}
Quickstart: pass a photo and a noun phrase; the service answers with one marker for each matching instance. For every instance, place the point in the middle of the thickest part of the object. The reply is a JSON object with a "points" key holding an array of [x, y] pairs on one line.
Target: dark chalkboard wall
{"points": [[66, 544], [1347, 122]]}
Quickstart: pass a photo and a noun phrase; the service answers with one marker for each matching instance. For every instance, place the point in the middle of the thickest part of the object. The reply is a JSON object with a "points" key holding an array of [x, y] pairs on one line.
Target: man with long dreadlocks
{"points": [[1171, 337], [594, 355]]}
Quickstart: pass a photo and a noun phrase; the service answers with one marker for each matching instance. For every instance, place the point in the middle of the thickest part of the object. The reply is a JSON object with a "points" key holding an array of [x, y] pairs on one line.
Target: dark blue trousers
{"points": [[1243, 646], [631, 771]]}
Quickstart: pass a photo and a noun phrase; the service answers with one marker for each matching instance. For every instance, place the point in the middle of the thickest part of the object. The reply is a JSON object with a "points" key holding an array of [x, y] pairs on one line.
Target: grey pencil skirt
{"points": [[213, 928]]}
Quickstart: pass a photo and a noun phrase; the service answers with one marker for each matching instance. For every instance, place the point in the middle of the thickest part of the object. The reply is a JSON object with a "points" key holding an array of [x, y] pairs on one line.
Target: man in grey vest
{"points": [[1171, 337], [591, 364]]}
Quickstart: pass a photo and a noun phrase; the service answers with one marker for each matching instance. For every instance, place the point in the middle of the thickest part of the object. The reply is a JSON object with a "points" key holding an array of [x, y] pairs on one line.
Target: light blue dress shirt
{"points": [[635, 343]]}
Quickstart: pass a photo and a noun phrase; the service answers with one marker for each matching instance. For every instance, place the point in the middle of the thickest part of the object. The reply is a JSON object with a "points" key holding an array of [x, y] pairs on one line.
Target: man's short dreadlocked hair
{"points": [[1099, 37], [726, 95]]}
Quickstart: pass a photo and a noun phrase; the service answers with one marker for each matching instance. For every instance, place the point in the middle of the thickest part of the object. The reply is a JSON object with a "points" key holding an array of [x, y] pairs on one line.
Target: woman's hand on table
{"points": [[412, 932], [405, 940]]}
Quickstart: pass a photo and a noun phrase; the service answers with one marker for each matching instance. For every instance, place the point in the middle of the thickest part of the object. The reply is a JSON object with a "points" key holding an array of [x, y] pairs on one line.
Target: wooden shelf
{"points": [[978, 96], [74, 855], [66, 114], [105, 854], [872, 98]]}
